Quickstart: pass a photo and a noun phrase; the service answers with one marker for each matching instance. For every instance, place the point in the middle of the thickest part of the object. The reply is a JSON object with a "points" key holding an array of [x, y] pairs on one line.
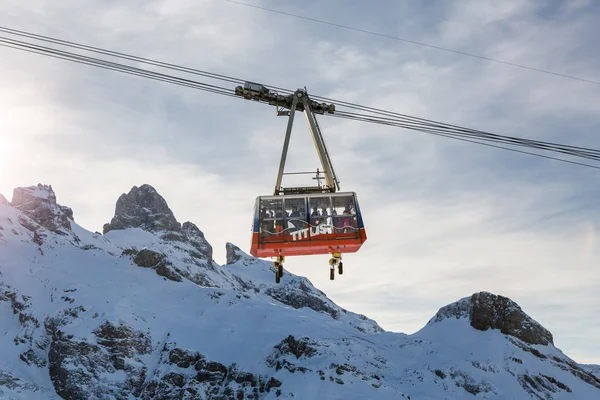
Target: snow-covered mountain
{"points": [[143, 311]]}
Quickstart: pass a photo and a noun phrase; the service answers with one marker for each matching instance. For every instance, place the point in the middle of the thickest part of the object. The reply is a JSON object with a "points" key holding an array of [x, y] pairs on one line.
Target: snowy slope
{"points": [[144, 312], [594, 369]]}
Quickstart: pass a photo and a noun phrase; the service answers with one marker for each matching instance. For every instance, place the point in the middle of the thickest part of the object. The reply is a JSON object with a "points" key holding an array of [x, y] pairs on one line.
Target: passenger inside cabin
{"points": [[324, 215], [295, 218], [337, 222], [278, 221], [266, 226], [315, 217], [303, 218], [346, 219], [353, 219]]}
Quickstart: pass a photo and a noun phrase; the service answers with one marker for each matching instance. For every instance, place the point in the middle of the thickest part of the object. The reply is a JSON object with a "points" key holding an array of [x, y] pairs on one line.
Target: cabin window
{"points": [[344, 214], [320, 211], [295, 209], [271, 217]]}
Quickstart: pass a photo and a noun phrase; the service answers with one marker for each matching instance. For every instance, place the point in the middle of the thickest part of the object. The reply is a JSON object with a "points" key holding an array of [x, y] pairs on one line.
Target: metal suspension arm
{"points": [[331, 179], [286, 143], [298, 101]]}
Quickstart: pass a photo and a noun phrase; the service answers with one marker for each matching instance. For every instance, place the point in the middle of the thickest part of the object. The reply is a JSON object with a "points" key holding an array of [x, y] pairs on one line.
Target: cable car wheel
{"points": [[335, 260], [278, 264]]}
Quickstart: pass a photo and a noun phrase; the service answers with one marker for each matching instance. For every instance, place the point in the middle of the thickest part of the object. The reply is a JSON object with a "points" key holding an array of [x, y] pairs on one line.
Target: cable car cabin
{"points": [[306, 224]]}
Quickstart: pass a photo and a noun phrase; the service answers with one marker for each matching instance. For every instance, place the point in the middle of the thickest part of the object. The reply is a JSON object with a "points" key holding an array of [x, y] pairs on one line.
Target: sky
{"points": [[444, 218]]}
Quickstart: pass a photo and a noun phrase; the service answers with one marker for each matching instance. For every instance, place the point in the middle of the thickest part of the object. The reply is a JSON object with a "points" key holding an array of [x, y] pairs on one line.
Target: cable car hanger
{"points": [[287, 105], [283, 225]]}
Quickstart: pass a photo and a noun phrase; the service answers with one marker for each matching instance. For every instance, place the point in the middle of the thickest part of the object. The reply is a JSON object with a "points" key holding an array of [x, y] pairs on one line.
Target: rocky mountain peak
{"points": [[39, 204], [143, 208], [489, 311], [3, 200], [191, 230], [235, 254]]}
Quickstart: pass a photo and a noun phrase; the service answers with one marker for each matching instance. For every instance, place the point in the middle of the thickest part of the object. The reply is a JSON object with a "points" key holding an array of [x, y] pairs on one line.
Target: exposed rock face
{"points": [[489, 311], [298, 294], [237, 255], [593, 369], [195, 237], [197, 377], [302, 348], [234, 253], [143, 208], [158, 262], [497, 312], [77, 367], [21, 386], [39, 204]]}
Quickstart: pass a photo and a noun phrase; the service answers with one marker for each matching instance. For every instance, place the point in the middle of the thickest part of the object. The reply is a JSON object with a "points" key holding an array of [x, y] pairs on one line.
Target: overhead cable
{"points": [[119, 55], [367, 114], [473, 141], [78, 58], [463, 53], [480, 135]]}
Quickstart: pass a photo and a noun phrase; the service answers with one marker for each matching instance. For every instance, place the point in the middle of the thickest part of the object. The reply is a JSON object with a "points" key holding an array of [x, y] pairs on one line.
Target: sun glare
{"points": [[8, 150], [6, 159]]}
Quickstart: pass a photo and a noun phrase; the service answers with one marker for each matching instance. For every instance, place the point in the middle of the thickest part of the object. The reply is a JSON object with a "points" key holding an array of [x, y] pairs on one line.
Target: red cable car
{"points": [[304, 220], [296, 225]]}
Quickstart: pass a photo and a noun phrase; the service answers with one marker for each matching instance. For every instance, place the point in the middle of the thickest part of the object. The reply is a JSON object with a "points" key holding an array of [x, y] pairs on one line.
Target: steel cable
{"points": [[370, 114]]}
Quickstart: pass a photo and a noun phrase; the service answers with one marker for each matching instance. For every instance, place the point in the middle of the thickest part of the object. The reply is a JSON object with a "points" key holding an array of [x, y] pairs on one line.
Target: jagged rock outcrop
{"points": [[233, 253], [39, 204], [158, 262], [143, 208], [21, 386], [195, 238], [299, 294], [78, 367], [196, 377], [300, 349], [146, 209], [489, 311], [190, 256]]}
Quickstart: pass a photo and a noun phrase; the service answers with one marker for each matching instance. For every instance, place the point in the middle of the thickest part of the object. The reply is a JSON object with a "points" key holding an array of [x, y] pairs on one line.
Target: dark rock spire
{"points": [[143, 208]]}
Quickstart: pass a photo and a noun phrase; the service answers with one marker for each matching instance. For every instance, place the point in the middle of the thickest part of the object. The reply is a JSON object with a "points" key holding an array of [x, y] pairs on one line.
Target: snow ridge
{"points": [[143, 312]]}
